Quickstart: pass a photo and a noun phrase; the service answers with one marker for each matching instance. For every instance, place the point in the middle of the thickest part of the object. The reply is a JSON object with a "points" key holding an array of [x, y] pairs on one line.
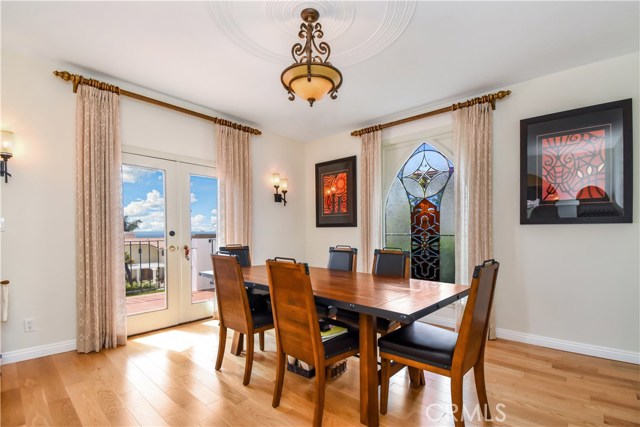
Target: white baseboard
{"points": [[39, 351], [558, 344], [571, 346]]}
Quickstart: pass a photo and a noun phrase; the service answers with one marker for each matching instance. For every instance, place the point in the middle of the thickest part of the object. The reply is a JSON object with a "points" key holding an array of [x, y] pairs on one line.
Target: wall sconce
{"points": [[6, 152], [277, 183]]}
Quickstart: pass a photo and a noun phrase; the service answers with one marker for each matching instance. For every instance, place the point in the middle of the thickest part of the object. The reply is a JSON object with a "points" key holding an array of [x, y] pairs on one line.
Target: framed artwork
{"points": [[336, 193], [576, 166]]}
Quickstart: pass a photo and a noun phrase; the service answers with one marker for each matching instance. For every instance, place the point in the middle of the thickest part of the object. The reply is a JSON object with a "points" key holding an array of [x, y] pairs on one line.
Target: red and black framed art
{"points": [[336, 193], [576, 166]]}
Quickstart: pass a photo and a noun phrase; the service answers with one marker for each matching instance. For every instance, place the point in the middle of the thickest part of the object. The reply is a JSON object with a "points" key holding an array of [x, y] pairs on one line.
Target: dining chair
{"points": [[342, 258], [257, 299], [391, 262], [235, 311], [241, 251], [297, 329], [444, 352]]}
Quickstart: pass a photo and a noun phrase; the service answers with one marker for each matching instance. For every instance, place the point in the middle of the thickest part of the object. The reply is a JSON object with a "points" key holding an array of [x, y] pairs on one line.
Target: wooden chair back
{"points": [[242, 252], [294, 311], [233, 303], [472, 336], [343, 258], [391, 262]]}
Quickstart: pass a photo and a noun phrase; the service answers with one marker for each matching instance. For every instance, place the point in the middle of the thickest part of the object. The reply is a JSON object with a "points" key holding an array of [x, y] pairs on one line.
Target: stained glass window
{"points": [[419, 214]]}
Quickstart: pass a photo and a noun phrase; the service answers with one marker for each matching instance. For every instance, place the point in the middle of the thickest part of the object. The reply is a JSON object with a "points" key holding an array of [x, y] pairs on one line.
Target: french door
{"points": [[170, 211]]}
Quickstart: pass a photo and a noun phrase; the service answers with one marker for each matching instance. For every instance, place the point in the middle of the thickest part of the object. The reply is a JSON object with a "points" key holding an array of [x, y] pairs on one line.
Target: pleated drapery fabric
{"points": [[101, 303], [370, 196], [233, 162], [473, 145]]}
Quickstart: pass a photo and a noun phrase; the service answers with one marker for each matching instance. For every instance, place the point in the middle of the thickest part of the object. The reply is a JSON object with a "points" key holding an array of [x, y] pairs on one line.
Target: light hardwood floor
{"points": [[167, 378]]}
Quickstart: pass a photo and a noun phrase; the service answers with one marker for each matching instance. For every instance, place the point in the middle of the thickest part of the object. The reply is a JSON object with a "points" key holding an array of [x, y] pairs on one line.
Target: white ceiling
{"points": [[397, 58]]}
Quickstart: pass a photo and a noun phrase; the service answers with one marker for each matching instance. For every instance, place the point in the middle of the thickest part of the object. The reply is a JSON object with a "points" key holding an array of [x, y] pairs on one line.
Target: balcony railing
{"points": [[144, 265]]}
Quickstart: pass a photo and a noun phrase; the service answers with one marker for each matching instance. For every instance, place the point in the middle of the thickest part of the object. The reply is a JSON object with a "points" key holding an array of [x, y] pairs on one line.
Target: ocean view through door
{"points": [[170, 211]]}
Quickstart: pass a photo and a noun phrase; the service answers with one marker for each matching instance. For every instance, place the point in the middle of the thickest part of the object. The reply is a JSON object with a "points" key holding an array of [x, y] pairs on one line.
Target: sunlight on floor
{"points": [[170, 340]]}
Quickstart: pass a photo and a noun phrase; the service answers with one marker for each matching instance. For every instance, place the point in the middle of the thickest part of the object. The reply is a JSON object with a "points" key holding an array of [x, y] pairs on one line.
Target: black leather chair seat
{"points": [[423, 343], [341, 344], [262, 318], [352, 320]]}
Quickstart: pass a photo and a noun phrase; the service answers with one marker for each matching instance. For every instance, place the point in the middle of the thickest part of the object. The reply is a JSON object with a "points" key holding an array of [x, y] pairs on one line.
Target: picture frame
{"points": [[336, 193], [576, 166]]}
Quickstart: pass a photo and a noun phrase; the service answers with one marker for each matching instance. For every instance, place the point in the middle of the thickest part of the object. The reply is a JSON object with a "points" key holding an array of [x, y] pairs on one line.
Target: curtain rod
{"points": [[77, 79], [491, 98]]}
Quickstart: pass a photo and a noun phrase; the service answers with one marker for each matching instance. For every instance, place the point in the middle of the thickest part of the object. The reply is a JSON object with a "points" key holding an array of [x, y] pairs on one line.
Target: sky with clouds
{"points": [[143, 194]]}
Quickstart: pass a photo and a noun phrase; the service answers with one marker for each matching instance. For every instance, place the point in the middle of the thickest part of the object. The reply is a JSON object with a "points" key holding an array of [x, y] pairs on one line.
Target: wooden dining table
{"points": [[403, 300]]}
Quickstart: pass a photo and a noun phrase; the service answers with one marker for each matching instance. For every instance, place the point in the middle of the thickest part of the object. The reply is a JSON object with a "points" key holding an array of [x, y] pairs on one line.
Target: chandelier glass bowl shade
{"points": [[311, 76]]}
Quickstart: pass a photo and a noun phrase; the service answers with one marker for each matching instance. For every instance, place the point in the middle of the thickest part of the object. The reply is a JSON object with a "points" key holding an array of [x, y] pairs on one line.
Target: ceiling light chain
{"points": [[311, 76]]}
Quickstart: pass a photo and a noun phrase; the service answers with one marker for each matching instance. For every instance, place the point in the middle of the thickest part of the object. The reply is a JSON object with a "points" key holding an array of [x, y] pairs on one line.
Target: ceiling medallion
{"points": [[311, 76], [357, 39]]}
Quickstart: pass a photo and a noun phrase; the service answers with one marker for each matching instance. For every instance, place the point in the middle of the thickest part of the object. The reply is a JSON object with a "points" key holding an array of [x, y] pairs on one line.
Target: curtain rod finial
{"points": [[64, 75]]}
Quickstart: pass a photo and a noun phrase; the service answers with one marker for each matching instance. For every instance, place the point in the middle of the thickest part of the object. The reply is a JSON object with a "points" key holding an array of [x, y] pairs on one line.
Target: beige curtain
{"points": [[233, 162], [101, 305], [473, 142], [370, 197]]}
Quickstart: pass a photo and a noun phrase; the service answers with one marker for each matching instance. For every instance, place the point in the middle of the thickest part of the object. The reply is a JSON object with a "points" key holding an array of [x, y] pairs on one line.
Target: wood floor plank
{"points": [[141, 409], [87, 406], [613, 421], [63, 413], [122, 418], [34, 402], [12, 410], [9, 377], [152, 393]]}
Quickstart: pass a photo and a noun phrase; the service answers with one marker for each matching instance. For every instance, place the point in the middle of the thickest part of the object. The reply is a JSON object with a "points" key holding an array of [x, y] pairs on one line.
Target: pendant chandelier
{"points": [[311, 76]]}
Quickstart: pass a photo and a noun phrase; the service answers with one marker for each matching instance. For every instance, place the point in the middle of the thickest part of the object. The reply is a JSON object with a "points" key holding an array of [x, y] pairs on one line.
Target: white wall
{"points": [[38, 249], [570, 282], [574, 287]]}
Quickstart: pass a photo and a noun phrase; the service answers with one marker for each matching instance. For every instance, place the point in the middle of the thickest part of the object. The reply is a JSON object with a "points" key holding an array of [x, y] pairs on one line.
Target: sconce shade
{"points": [[283, 184], [6, 146]]}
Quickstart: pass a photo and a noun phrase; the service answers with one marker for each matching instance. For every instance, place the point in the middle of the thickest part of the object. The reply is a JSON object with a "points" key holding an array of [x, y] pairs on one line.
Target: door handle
{"points": [[172, 248]]}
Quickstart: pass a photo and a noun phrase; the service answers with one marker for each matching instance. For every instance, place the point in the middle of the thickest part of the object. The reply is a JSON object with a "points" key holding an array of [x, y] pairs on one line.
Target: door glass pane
{"points": [[204, 223], [143, 195]]}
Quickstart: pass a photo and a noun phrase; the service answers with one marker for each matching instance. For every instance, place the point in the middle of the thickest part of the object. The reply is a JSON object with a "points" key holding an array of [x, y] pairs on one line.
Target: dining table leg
{"points": [[368, 371], [237, 344]]}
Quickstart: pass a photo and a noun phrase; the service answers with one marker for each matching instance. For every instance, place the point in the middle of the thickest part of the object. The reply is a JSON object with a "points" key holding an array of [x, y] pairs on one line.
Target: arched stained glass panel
{"points": [[419, 214]]}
